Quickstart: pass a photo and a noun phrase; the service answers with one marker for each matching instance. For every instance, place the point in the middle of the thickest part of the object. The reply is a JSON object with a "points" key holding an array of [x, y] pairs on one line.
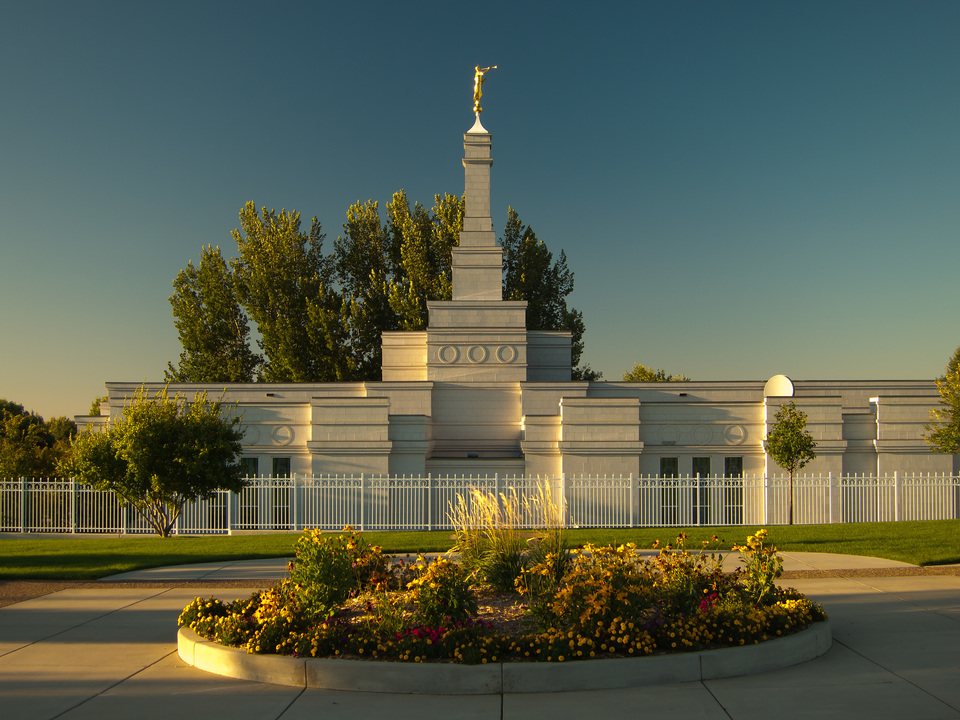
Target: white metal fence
{"points": [[423, 503]]}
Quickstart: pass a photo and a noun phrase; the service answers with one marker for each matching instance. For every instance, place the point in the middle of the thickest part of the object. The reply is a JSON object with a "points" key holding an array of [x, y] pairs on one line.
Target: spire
{"points": [[478, 261]]}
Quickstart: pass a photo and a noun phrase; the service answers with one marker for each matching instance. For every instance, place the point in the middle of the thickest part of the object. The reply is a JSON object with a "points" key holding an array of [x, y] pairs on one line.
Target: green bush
{"points": [[330, 568], [442, 594], [762, 566]]}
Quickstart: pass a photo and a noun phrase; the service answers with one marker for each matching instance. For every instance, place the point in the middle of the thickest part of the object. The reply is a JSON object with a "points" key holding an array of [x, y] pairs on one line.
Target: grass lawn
{"points": [[934, 542]]}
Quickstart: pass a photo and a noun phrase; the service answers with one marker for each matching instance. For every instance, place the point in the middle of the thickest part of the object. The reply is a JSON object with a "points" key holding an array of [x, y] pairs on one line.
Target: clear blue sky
{"points": [[741, 188]]}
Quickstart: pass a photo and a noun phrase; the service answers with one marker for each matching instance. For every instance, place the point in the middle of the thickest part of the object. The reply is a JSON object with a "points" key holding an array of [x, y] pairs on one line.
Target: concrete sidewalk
{"points": [[111, 652]]}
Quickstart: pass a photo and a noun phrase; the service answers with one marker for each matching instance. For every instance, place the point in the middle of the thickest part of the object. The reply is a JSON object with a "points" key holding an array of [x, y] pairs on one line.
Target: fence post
{"points": [[73, 506], [631, 500], [361, 503], [294, 525], [879, 499], [830, 496], [563, 499], [429, 502], [896, 496], [699, 504], [766, 499], [23, 504]]}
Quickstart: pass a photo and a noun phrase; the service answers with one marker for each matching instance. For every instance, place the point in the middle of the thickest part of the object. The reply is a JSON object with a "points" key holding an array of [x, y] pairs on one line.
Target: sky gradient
{"points": [[742, 189]]}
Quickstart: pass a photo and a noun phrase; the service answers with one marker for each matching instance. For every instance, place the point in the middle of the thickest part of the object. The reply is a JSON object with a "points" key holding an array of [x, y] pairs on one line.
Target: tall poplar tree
{"points": [[365, 260], [212, 326], [283, 281], [320, 317]]}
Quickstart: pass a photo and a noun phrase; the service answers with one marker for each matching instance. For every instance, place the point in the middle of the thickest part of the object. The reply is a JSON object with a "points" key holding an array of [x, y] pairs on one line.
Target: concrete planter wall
{"points": [[498, 678]]}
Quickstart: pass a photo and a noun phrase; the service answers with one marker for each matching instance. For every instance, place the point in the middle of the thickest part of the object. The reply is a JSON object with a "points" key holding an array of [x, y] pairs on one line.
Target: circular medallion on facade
{"points": [[282, 435], [448, 354], [702, 435], [507, 354], [734, 434], [251, 434], [477, 354], [669, 434]]}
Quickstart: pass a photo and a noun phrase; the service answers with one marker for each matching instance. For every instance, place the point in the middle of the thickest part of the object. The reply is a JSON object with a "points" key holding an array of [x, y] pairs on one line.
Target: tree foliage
{"points": [[641, 373], [95, 403], [320, 317], [212, 326], [790, 444], [943, 430], [29, 446], [389, 271], [283, 280], [162, 452]]}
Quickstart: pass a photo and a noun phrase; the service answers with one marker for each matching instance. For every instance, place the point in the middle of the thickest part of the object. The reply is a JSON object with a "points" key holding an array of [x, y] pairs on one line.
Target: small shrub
{"points": [[389, 610], [687, 578], [762, 566], [330, 568], [442, 593]]}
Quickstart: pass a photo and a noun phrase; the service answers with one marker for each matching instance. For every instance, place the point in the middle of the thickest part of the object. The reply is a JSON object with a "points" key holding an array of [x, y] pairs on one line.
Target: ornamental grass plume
{"points": [[501, 536]]}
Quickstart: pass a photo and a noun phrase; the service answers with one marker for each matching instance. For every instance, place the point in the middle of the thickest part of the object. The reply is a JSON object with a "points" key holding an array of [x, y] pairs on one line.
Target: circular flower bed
{"points": [[534, 601]]}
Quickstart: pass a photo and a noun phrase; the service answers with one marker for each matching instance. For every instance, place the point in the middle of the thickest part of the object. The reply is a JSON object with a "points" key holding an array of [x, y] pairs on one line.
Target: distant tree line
{"points": [[642, 373], [319, 316]]}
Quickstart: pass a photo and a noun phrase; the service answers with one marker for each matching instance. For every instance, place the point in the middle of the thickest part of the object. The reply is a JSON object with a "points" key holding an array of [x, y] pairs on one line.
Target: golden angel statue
{"points": [[479, 72]]}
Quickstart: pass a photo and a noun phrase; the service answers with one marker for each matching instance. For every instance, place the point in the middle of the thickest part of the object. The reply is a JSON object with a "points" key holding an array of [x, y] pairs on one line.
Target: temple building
{"points": [[478, 394]]}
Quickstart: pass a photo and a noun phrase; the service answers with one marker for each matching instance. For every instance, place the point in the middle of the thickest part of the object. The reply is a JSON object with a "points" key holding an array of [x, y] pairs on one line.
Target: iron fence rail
{"points": [[424, 503]]}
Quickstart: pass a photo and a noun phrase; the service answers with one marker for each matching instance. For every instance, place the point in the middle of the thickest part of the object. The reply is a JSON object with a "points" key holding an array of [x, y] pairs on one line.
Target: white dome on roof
{"points": [[778, 386]]}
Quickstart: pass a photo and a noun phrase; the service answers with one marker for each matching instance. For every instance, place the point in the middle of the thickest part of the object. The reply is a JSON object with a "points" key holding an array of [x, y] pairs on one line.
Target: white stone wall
{"points": [[577, 428]]}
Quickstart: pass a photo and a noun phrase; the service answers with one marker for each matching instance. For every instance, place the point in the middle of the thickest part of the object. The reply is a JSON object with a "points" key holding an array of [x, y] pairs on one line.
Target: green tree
{"points": [[425, 240], [320, 317], [943, 430], [283, 281], [62, 429], [641, 373], [25, 445], [95, 405], [953, 364], [790, 444], [162, 452], [29, 446], [388, 272], [365, 262], [212, 326]]}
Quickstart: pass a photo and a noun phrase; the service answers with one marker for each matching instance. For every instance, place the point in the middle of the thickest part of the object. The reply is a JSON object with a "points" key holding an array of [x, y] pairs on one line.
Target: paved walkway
{"points": [[111, 653]]}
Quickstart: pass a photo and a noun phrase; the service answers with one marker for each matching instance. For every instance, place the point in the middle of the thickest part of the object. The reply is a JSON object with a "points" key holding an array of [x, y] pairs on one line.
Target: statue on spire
{"points": [[477, 85]]}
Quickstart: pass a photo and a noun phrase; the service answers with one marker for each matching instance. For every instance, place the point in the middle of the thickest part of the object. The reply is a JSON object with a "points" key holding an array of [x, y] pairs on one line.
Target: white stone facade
{"points": [[478, 394], [571, 428]]}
